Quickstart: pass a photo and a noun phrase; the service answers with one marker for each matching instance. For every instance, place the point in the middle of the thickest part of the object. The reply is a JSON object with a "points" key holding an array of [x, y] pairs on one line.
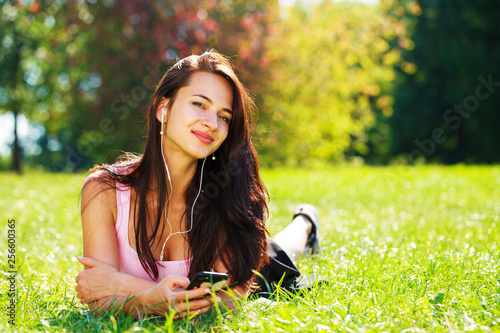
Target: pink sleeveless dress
{"points": [[129, 260]]}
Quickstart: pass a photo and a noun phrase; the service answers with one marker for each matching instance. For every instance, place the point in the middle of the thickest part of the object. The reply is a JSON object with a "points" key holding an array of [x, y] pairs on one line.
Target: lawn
{"points": [[414, 249]]}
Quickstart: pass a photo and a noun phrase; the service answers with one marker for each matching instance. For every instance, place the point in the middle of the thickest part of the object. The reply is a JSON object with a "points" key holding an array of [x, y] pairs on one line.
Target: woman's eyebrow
{"points": [[211, 102]]}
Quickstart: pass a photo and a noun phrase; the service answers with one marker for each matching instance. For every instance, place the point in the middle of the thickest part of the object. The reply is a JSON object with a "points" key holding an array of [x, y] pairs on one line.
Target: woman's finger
{"points": [[183, 309], [81, 297], [87, 262], [198, 293], [90, 262], [173, 281], [192, 305], [192, 312], [205, 309], [194, 296]]}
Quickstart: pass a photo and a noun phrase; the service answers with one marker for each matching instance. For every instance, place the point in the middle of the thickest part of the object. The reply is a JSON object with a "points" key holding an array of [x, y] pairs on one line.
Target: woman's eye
{"points": [[224, 118], [198, 104]]}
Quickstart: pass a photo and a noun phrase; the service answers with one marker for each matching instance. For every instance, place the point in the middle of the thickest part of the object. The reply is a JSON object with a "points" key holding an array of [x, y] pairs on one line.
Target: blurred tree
{"points": [[86, 70], [448, 88], [24, 84], [40, 61], [128, 47], [329, 62]]}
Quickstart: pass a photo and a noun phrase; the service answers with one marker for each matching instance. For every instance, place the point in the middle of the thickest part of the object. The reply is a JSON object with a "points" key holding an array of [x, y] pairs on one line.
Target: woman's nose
{"points": [[210, 120]]}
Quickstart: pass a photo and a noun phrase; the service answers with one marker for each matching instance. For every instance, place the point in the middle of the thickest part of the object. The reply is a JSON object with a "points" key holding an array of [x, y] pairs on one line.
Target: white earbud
{"points": [[162, 119]]}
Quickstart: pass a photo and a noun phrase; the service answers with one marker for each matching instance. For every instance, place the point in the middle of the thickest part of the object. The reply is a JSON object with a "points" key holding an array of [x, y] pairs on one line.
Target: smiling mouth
{"points": [[203, 137]]}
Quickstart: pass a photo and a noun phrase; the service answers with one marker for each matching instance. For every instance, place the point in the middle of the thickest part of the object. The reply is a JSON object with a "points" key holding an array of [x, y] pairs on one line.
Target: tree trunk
{"points": [[16, 151]]}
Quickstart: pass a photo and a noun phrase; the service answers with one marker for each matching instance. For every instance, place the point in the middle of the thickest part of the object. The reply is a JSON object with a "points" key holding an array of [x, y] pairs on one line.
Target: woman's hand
{"points": [[170, 295], [98, 281]]}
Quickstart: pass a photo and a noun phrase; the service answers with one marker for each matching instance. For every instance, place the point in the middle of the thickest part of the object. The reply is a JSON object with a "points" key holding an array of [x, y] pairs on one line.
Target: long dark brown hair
{"points": [[229, 216]]}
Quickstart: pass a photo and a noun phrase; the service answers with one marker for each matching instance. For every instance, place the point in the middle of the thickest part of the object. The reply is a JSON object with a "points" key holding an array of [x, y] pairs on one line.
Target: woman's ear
{"points": [[163, 105]]}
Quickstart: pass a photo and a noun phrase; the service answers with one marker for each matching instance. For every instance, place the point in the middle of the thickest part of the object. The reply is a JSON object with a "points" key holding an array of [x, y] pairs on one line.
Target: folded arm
{"points": [[101, 285], [161, 299]]}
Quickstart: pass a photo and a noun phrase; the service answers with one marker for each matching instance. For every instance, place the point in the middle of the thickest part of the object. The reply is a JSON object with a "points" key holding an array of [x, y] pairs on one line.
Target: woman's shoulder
{"points": [[98, 178], [98, 199], [109, 174], [99, 185], [104, 179]]}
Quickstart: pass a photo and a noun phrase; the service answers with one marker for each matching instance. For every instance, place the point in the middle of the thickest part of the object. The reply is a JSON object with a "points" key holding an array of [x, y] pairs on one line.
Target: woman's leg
{"points": [[299, 236], [293, 238]]}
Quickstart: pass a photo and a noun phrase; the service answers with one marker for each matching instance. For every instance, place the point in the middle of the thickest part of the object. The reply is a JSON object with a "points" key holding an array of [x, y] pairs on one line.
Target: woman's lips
{"points": [[203, 137]]}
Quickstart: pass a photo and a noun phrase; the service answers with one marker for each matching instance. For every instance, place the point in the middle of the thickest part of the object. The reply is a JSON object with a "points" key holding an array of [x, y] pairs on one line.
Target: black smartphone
{"points": [[212, 280]]}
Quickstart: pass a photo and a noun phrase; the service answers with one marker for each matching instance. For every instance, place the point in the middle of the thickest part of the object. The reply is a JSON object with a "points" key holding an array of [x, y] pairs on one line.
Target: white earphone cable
{"points": [[170, 194]]}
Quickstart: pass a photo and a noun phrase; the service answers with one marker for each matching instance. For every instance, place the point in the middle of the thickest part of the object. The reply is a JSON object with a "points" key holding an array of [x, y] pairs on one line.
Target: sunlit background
{"points": [[28, 140], [364, 82]]}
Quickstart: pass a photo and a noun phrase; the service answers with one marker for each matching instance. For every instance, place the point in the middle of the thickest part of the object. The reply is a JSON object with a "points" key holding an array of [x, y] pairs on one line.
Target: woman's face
{"points": [[198, 120]]}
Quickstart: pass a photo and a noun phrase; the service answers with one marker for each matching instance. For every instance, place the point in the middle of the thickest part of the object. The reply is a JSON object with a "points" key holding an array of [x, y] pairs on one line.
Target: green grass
{"points": [[413, 249]]}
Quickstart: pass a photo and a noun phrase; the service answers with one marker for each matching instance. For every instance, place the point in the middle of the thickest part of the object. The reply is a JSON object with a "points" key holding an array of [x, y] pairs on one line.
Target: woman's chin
{"points": [[201, 155]]}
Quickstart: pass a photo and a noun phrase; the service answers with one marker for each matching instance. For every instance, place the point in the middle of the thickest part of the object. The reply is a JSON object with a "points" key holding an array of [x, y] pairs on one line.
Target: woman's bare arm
{"points": [[104, 281], [166, 296], [101, 280]]}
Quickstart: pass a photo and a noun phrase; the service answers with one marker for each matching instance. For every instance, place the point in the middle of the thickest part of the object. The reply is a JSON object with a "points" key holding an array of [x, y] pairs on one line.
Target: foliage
{"points": [[329, 63], [444, 110], [30, 80], [130, 44], [402, 249], [86, 70], [400, 80]]}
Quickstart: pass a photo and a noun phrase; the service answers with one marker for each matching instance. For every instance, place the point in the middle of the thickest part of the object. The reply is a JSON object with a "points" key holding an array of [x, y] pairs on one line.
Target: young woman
{"points": [[193, 201]]}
